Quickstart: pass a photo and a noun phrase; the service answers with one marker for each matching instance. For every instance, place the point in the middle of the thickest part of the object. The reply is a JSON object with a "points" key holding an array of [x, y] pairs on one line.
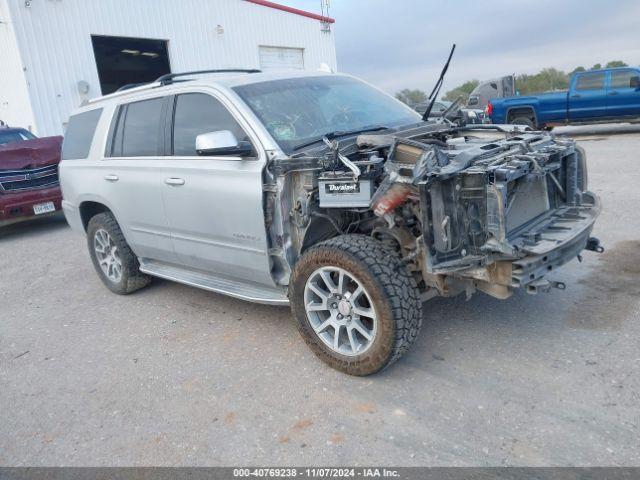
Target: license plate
{"points": [[44, 208]]}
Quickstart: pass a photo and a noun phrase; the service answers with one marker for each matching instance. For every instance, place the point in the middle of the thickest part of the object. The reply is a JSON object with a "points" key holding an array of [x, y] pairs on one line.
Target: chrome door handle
{"points": [[111, 178], [613, 93], [174, 181]]}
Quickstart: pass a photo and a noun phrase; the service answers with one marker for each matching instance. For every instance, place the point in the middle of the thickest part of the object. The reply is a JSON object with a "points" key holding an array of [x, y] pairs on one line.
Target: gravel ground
{"points": [[174, 375]]}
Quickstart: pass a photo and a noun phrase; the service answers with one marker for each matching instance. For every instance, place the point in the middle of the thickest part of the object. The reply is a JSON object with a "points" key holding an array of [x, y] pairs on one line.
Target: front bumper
{"points": [[540, 250], [18, 206], [554, 242]]}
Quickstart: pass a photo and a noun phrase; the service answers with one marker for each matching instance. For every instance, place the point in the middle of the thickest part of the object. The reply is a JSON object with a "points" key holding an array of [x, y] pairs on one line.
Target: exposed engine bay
{"points": [[489, 208]]}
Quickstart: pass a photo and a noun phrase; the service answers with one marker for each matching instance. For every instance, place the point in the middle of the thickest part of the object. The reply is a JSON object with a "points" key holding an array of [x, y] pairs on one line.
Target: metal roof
{"points": [[296, 11]]}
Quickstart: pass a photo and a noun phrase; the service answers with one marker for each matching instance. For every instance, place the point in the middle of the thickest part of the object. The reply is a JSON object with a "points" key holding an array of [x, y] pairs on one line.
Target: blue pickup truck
{"points": [[599, 96]]}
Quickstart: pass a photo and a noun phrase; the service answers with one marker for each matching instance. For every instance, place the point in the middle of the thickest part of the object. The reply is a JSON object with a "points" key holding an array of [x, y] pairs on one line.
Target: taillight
{"points": [[489, 109]]}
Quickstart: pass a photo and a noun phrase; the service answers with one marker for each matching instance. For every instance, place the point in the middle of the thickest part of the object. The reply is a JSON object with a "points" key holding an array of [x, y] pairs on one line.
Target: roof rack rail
{"points": [[163, 80], [129, 86], [168, 78]]}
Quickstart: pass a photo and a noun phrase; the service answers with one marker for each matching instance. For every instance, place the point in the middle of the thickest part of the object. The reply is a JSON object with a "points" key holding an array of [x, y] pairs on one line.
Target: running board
{"points": [[233, 288]]}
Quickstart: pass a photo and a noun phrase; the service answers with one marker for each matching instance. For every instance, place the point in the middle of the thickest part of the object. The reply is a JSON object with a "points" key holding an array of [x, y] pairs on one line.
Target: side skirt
{"points": [[231, 287]]}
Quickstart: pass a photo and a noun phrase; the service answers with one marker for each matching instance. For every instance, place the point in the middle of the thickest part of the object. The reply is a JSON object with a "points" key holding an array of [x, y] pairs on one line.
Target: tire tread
{"points": [[398, 285], [134, 278]]}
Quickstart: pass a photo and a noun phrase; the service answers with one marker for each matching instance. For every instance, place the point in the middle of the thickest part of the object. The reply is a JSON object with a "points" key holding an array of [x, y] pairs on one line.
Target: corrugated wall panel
{"points": [[15, 106], [55, 41]]}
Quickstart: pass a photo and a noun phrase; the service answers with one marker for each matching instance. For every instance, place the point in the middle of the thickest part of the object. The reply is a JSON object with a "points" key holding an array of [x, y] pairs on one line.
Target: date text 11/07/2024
{"points": [[316, 472]]}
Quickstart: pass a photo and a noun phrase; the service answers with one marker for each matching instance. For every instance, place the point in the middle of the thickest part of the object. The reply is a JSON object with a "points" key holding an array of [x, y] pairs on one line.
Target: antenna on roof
{"points": [[324, 10]]}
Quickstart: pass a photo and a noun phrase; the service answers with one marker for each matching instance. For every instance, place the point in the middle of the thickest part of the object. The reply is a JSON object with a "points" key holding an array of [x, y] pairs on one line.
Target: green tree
{"points": [[411, 97], [549, 79], [616, 63], [461, 91]]}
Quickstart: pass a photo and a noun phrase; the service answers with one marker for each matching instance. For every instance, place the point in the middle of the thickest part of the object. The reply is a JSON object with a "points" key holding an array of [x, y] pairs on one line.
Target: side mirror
{"points": [[222, 143], [634, 82]]}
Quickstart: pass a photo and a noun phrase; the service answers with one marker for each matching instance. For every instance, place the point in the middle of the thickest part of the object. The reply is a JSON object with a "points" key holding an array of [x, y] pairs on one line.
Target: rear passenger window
{"points": [[79, 135], [590, 81], [138, 132], [622, 79], [198, 113]]}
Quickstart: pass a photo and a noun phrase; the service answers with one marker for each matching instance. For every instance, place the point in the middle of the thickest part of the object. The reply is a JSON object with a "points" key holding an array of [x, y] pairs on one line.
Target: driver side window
{"points": [[197, 113]]}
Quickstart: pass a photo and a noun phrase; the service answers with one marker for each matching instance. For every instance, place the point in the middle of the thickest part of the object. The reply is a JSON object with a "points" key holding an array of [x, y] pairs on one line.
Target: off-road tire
{"points": [[132, 279], [394, 292], [523, 121]]}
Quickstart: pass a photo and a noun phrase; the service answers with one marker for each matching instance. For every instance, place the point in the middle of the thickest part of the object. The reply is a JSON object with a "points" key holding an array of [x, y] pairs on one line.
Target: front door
{"points": [[214, 204], [624, 97]]}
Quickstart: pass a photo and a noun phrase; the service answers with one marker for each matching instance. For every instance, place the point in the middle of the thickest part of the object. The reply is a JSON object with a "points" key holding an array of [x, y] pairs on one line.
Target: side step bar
{"points": [[206, 281]]}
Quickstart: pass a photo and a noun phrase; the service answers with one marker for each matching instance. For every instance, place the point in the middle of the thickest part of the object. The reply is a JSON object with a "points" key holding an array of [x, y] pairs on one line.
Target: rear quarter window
{"points": [[79, 135]]}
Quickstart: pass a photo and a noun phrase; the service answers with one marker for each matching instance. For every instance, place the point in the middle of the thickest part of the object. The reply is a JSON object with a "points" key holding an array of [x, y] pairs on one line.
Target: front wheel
{"points": [[356, 305]]}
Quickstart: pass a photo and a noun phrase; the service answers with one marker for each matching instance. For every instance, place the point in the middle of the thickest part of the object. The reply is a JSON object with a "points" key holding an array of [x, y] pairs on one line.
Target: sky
{"points": [[398, 44]]}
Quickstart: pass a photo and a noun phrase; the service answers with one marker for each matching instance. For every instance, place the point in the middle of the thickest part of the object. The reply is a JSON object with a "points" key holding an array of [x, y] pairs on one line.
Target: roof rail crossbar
{"points": [[168, 78]]}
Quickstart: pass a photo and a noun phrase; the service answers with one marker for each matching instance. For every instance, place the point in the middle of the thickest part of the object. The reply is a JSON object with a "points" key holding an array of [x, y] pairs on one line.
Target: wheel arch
{"points": [[319, 230], [522, 110], [89, 209]]}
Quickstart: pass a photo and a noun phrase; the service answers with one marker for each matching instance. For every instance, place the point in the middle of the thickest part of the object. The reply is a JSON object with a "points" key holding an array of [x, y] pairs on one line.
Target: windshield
{"points": [[12, 136], [297, 111]]}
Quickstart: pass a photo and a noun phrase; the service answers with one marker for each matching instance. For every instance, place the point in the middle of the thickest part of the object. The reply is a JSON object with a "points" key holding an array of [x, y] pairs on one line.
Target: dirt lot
{"points": [[173, 375]]}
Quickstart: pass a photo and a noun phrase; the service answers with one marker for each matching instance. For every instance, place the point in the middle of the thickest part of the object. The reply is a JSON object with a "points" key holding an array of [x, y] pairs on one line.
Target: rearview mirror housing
{"points": [[222, 143]]}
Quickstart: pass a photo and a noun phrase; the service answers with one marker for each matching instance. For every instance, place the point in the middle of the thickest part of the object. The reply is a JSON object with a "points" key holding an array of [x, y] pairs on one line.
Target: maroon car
{"points": [[29, 185]]}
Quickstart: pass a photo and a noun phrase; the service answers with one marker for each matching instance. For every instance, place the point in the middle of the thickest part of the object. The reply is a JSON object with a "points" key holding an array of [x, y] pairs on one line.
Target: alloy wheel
{"points": [[340, 311], [107, 255]]}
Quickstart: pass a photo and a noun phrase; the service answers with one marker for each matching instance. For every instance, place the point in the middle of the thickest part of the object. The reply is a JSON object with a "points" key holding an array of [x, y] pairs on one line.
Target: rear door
{"points": [[587, 97], [131, 175], [214, 204], [623, 99]]}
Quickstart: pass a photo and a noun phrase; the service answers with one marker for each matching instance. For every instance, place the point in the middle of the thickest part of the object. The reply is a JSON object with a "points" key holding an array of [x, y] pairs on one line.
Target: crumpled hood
{"points": [[30, 153]]}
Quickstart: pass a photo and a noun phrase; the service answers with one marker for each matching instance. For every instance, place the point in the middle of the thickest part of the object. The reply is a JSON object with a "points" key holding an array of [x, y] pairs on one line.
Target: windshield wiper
{"points": [[339, 133]]}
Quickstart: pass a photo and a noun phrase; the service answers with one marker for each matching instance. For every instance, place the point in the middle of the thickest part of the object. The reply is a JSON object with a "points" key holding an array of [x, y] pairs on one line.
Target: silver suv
{"points": [[319, 191]]}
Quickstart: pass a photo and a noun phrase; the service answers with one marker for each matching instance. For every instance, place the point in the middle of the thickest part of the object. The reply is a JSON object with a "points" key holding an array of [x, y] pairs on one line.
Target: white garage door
{"points": [[281, 58]]}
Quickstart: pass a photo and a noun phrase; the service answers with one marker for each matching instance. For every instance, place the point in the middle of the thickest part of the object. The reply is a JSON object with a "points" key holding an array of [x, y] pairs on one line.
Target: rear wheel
{"points": [[356, 305], [116, 264], [524, 121]]}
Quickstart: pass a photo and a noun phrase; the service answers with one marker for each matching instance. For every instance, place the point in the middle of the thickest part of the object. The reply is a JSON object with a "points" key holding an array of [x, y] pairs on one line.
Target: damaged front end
{"points": [[495, 215], [465, 209]]}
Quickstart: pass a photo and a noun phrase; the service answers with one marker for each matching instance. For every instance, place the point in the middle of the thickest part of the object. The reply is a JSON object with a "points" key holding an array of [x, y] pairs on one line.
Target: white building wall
{"points": [[54, 38], [15, 106]]}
